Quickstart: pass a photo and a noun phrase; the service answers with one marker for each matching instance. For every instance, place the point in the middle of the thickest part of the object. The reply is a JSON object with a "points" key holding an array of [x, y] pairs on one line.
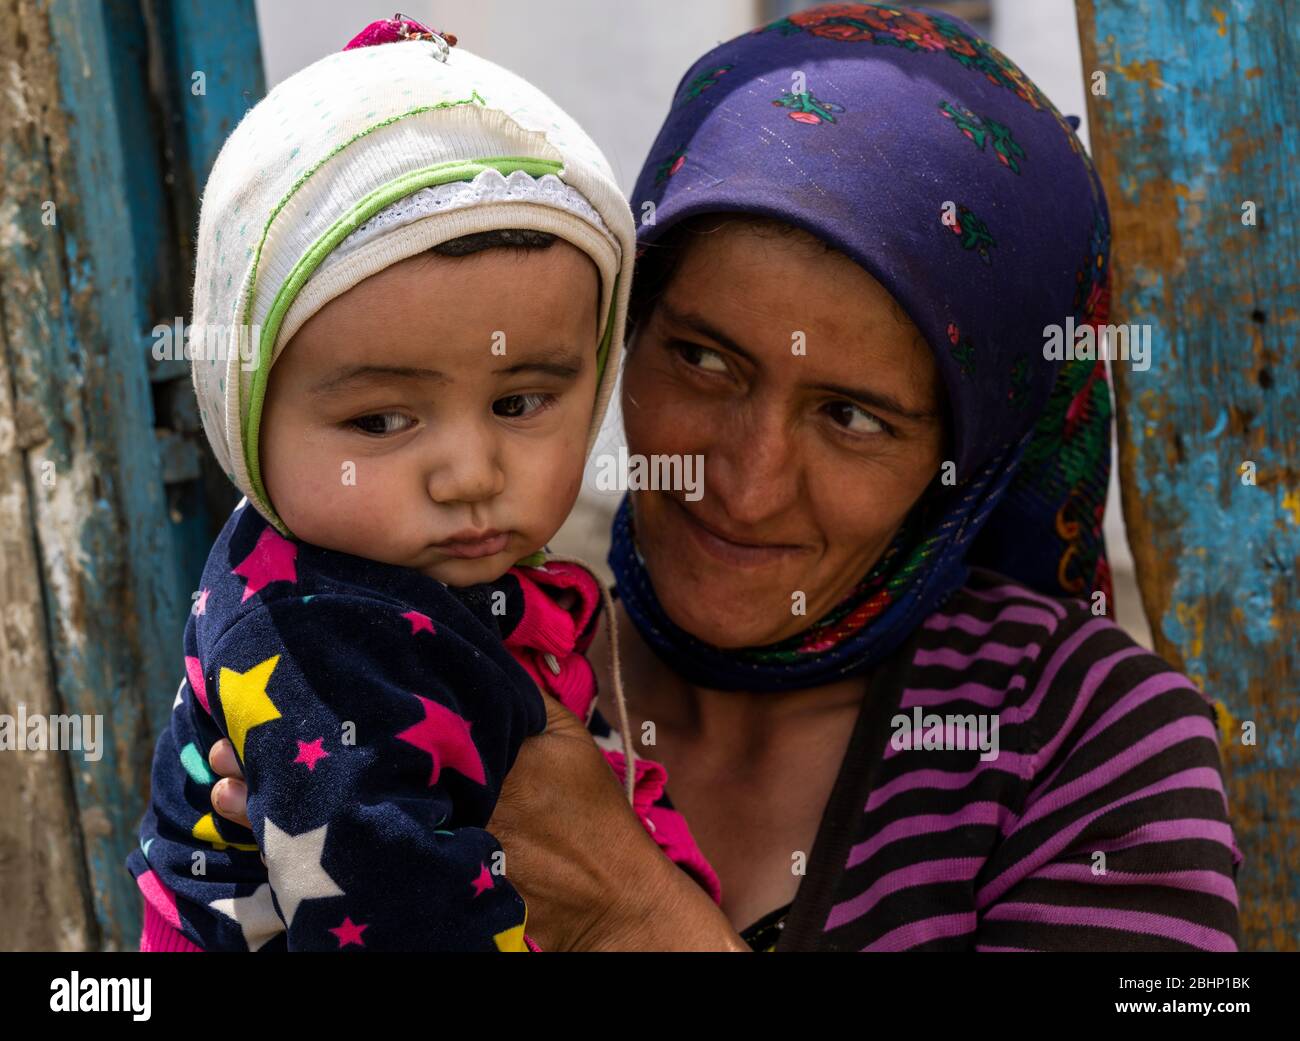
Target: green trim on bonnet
{"points": [[440, 173], [266, 228]]}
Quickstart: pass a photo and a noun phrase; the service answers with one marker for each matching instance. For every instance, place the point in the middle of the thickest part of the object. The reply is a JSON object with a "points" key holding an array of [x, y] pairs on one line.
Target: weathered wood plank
{"points": [[104, 146], [42, 883], [43, 887], [113, 607], [1201, 117]]}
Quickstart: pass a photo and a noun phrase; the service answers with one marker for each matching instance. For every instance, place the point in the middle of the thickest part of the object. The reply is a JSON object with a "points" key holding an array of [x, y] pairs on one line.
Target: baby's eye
{"points": [[854, 418], [701, 357], [516, 406], [382, 423]]}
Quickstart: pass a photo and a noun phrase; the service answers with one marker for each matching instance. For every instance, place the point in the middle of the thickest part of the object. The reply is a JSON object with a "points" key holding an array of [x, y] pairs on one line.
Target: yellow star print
{"points": [[205, 830], [244, 700], [512, 939]]}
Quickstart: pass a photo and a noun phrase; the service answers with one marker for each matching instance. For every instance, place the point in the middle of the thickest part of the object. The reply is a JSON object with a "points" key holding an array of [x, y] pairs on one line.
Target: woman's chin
{"points": [[720, 611]]}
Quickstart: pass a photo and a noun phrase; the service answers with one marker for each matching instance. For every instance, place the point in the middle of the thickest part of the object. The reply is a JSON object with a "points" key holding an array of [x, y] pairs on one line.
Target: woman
{"points": [[862, 224]]}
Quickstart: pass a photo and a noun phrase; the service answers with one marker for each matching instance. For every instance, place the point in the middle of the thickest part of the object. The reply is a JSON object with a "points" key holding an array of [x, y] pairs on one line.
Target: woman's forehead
{"points": [[785, 282]]}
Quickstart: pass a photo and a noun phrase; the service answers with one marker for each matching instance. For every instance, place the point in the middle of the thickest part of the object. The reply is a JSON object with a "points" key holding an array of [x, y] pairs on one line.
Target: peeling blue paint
{"points": [[1200, 116], [115, 598]]}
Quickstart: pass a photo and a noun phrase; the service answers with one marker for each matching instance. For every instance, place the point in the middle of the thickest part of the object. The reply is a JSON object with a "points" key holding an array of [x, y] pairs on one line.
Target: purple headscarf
{"points": [[905, 141]]}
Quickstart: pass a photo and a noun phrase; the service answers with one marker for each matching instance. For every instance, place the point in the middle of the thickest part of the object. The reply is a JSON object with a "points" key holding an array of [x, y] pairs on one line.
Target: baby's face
{"points": [[435, 416]]}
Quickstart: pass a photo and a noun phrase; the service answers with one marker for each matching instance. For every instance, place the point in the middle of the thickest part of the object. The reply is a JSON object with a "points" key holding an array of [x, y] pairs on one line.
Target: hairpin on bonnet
{"points": [[399, 28]]}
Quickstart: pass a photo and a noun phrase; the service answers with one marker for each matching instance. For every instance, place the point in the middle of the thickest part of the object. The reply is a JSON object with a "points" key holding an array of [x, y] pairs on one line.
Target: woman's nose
{"points": [[752, 467], [467, 466]]}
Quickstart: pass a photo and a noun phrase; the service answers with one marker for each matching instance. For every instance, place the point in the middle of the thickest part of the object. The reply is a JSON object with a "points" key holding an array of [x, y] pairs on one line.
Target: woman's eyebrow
{"points": [[343, 379], [875, 398], [878, 399], [704, 327]]}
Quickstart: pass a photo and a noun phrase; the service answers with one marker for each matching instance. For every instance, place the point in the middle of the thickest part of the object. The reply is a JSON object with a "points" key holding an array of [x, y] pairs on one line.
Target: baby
{"points": [[433, 262]]}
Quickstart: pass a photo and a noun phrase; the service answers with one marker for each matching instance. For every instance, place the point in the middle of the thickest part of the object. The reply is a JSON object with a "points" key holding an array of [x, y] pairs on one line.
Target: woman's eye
{"points": [[854, 418], [516, 406], [382, 423], [701, 357]]}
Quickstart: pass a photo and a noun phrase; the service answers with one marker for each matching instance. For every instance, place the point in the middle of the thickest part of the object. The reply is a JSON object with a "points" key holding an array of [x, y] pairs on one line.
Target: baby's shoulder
{"points": [[255, 576]]}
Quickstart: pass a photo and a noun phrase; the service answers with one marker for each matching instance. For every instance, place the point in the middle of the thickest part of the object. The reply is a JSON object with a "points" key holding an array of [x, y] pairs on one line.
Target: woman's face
{"points": [[815, 404]]}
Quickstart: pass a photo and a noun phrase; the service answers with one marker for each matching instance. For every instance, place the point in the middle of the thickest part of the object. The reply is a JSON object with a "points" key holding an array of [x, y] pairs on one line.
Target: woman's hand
{"points": [[591, 876], [230, 794]]}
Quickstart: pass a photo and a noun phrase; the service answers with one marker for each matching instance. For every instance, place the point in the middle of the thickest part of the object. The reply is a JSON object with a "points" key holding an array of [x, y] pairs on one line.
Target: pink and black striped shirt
{"points": [[1100, 824]]}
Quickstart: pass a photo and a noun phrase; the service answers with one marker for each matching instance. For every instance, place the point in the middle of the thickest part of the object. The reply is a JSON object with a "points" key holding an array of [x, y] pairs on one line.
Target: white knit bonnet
{"points": [[360, 160]]}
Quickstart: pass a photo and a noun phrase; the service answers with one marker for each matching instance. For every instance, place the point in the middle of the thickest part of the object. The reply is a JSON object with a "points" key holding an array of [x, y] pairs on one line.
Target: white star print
{"points": [[293, 863], [255, 914]]}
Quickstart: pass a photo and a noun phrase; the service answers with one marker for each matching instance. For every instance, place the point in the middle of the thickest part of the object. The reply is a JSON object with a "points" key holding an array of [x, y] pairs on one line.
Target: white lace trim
{"points": [[488, 186]]}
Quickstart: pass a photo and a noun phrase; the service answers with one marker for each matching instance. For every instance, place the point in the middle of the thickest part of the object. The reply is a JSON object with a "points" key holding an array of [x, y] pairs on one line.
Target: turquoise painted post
{"points": [[96, 252], [1197, 137]]}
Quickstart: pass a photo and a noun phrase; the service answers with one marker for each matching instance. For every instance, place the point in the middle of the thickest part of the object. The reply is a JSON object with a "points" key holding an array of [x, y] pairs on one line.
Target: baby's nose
{"points": [[467, 470]]}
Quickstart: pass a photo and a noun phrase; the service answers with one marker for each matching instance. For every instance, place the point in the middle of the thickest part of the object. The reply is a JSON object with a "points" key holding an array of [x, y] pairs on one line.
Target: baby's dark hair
{"points": [[498, 238]]}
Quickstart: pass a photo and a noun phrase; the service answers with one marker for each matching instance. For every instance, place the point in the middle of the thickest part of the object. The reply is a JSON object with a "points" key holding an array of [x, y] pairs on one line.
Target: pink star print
{"points": [[272, 560], [194, 673], [201, 604], [419, 622], [445, 736], [311, 753], [483, 882], [350, 932]]}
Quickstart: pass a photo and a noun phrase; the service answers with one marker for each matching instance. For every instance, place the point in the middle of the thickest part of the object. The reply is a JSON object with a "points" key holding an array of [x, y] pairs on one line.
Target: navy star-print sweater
{"points": [[375, 712]]}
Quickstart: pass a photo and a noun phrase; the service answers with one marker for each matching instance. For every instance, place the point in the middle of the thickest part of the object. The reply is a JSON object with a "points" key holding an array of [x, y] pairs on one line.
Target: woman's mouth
{"points": [[731, 549], [471, 545]]}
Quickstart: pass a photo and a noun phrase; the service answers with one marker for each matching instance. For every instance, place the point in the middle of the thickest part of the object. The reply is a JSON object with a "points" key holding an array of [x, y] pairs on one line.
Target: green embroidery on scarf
{"points": [[982, 131], [703, 82], [805, 107], [972, 232], [671, 165]]}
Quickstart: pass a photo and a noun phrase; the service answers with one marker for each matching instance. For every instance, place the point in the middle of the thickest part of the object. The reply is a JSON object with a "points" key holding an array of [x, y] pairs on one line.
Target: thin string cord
{"points": [[616, 674]]}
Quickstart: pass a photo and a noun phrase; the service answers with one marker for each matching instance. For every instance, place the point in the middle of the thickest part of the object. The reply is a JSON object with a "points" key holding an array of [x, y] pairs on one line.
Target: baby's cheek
{"points": [[345, 503], [549, 482]]}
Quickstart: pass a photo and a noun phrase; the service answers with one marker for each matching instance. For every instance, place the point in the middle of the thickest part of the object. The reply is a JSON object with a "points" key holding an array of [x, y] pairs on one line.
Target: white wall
{"points": [[611, 64]]}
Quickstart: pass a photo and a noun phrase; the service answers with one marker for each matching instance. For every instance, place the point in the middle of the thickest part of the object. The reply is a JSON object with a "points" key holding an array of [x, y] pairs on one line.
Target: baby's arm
{"points": [[200, 875], [374, 741]]}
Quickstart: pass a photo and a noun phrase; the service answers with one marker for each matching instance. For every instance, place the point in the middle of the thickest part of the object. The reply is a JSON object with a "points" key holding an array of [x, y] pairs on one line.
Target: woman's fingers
{"points": [[230, 799], [221, 757], [230, 794]]}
